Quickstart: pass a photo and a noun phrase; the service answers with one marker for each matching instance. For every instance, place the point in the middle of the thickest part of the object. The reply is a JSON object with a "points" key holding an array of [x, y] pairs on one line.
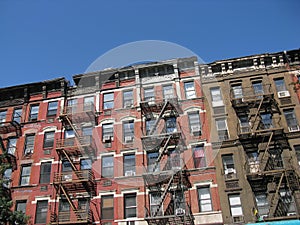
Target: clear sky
{"points": [[45, 39]]}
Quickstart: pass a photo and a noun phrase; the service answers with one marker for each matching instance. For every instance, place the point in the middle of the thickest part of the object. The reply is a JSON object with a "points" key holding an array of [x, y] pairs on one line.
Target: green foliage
{"points": [[7, 216]]}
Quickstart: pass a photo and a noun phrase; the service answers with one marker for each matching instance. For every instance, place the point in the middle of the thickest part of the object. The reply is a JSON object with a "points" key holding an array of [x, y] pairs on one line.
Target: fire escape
{"points": [[7, 128], [166, 177], [264, 141], [75, 186]]}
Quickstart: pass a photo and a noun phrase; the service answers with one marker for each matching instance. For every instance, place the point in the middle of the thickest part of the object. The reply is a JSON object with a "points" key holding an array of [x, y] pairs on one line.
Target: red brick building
{"points": [[121, 146]]}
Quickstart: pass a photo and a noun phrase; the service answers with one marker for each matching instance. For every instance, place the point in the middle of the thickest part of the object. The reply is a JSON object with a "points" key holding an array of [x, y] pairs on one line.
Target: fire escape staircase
{"points": [[70, 183], [172, 176]]}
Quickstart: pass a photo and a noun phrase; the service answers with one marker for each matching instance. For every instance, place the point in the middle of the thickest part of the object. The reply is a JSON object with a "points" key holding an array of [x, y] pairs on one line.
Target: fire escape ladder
{"points": [[68, 197], [292, 180], [266, 154], [163, 196], [257, 113], [162, 151], [70, 160], [276, 201], [159, 118]]}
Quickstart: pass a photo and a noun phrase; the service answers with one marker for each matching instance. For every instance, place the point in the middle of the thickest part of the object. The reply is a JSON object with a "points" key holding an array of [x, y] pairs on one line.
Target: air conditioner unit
{"points": [[129, 173], [229, 170], [195, 129], [151, 103], [217, 103], [282, 94], [238, 219], [179, 212], [28, 151], [294, 128], [107, 138], [128, 139]]}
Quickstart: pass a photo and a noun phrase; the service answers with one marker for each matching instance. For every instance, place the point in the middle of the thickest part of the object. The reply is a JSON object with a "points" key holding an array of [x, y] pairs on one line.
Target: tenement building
{"points": [[170, 142]]}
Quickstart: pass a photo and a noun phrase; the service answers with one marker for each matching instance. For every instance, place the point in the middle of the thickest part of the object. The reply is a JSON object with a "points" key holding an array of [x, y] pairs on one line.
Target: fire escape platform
{"points": [[9, 127]]}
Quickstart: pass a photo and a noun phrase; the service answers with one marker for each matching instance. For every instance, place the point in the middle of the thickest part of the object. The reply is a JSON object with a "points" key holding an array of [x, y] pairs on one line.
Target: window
{"points": [[244, 124], [107, 166], [235, 207], [107, 132], [83, 204], [29, 144], [128, 131], [21, 206], [266, 120], [228, 166], [222, 129], [258, 88], [17, 115], [199, 156], [2, 116], [151, 159], [168, 92], [297, 150], [216, 94], [49, 139], [149, 126], [45, 172], [194, 121], [69, 137], [87, 133], [262, 204], [108, 101], [85, 164], [205, 203], [130, 205], [253, 162], [88, 103], [149, 95], [171, 125], [107, 207], [189, 90], [12, 145], [72, 106], [52, 108], [64, 207], [7, 178], [291, 120], [34, 111], [237, 91], [25, 175], [66, 166], [155, 199], [127, 99], [41, 211], [129, 165], [280, 85]]}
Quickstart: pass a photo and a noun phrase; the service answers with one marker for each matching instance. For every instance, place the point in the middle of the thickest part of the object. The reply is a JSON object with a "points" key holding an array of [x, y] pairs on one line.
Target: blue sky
{"points": [[45, 39]]}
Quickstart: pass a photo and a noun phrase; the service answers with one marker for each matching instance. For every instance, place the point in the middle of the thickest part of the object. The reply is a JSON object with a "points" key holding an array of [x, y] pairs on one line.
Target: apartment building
{"points": [[255, 116], [120, 146]]}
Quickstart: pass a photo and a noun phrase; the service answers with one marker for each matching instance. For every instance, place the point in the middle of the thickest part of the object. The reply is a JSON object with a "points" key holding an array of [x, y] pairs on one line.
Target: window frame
{"points": [[187, 92], [200, 161], [291, 120], [109, 166], [52, 110], [88, 103], [3, 114], [129, 164], [223, 133], [195, 123], [108, 104], [216, 95], [34, 112], [87, 165], [48, 139], [23, 204], [235, 205], [29, 148], [18, 118], [26, 176], [41, 212], [280, 86], [166, 89], [11, 145], [129, 207], [128, 102], [110, 209], [45, 176], [149, 97], [107, 132], [128, 131], [203, 202]]}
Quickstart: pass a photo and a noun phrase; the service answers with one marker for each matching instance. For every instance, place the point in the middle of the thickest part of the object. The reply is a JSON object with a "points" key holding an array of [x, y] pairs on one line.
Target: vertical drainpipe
{"points": [[177, 80]]}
